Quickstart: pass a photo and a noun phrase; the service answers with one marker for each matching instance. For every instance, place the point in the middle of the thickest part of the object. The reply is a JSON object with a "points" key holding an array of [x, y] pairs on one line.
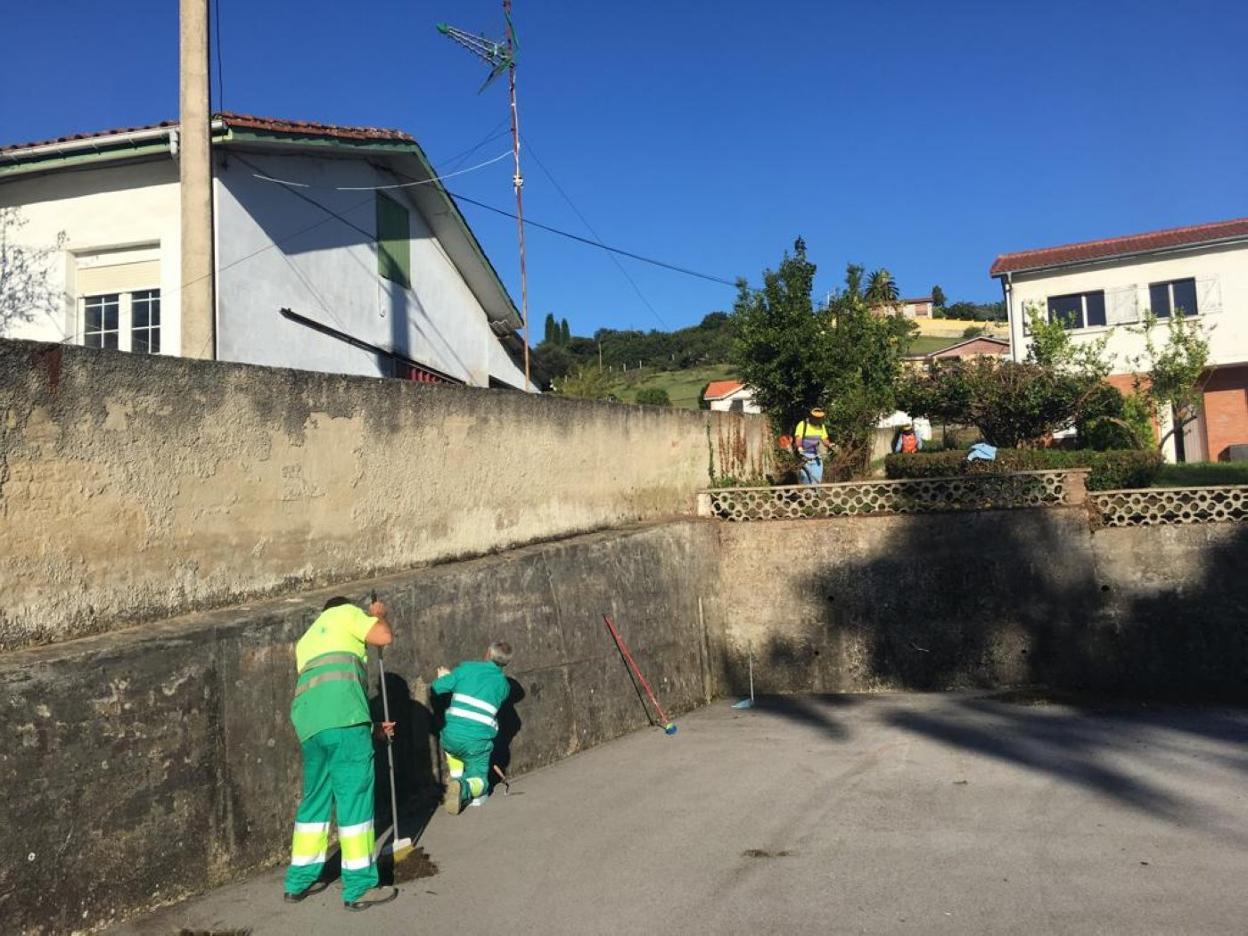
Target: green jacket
{"points": [[478, 689], [331, 658]]}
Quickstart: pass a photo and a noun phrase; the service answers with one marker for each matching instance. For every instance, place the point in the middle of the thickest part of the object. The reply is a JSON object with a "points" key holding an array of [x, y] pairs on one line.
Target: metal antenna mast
{"points": [[501, 56]]}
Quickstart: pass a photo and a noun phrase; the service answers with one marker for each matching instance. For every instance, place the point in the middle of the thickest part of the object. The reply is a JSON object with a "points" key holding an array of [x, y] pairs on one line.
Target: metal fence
{"points": [[913, 495], [1158, 506]]}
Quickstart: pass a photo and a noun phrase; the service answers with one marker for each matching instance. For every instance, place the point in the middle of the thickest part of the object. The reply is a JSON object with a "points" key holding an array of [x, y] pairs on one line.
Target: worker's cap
{"points": [[907, 425], [817, 413]]}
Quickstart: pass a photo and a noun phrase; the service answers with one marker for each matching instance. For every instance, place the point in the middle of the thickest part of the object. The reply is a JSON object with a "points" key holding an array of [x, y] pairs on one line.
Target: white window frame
{"points": [[1083, 309], [125, 317]]}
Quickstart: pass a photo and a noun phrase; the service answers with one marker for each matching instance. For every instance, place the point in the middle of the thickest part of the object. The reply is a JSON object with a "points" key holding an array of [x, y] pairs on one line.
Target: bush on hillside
{"points": [[1119, 468], [653, 396]]}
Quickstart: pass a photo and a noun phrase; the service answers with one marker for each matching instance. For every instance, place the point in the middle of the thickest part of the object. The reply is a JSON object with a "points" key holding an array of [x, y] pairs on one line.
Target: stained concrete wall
{"points": [[141, 765], [134, 488], [995, 598]]}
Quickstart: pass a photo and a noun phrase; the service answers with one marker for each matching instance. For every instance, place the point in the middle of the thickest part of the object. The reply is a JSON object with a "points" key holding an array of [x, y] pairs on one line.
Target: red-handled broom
{"points": [[668, 726]]}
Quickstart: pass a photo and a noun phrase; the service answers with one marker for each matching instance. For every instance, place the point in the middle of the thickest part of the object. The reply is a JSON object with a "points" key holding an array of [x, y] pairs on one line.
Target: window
{"points": [[1078, 310], [393, 241], [1164, 298], [100, 321], [145, 321]]}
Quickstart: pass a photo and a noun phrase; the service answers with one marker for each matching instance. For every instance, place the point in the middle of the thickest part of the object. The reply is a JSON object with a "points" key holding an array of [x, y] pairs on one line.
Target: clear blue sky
{"points": [[926, 137]]}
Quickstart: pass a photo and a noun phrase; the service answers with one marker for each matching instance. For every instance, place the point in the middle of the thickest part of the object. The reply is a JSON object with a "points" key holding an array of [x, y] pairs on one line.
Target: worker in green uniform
{"points": [[331, 717], [478, 689]]}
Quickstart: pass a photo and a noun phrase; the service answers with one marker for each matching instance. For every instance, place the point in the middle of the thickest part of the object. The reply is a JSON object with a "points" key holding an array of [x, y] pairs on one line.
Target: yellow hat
{"points": [[817, 413]]}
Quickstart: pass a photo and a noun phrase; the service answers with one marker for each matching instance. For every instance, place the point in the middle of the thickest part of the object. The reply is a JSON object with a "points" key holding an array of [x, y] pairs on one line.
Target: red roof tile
{"points": [[1118, 246], [241, 122], [717, 389]]}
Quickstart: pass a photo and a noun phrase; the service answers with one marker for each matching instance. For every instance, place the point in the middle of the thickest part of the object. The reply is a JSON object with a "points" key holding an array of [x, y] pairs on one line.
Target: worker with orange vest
{"points": [[331, 717], [907, 440], [809, 435]]}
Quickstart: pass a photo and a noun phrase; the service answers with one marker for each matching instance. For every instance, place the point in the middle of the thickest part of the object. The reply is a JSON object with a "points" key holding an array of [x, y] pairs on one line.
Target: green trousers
{"points": [[337, 776], [469, 761]]}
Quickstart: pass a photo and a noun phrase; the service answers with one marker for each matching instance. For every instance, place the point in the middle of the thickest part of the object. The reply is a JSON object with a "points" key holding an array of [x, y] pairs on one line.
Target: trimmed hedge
{"points": [[1117, 468]]}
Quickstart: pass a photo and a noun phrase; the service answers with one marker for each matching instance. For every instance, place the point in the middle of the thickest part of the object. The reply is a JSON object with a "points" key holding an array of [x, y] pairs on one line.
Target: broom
{"points": [[668, 726]]}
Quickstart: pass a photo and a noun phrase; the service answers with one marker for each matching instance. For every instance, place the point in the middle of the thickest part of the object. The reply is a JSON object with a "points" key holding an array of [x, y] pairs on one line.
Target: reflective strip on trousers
{"points": [[474, 702], [356, 842], [473, 716], [455, 766], [309, 843]]}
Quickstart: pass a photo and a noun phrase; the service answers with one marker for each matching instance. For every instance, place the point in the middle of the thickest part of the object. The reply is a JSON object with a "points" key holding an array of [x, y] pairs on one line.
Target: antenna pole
{"points": [[518, 183]]}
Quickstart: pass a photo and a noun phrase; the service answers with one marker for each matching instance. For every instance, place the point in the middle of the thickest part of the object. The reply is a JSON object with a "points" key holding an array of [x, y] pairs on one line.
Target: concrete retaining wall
{"points": [[134, 488], [996, 598], [141, 765]]}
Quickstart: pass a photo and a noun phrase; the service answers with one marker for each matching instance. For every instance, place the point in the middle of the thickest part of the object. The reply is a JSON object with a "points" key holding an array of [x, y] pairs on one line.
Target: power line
{"points": [[585, 221], [500, 129], [601, 246], [382, 188]]}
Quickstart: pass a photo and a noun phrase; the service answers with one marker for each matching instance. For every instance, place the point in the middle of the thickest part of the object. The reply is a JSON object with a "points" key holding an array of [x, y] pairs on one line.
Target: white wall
{"points": [[326, 269], [99, 209], [744, 400], [1221, 274]]}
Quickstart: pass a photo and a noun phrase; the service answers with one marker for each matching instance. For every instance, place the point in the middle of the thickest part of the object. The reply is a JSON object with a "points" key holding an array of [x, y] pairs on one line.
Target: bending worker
{"points": [[478, 688], [807, 437], [331, 716]]}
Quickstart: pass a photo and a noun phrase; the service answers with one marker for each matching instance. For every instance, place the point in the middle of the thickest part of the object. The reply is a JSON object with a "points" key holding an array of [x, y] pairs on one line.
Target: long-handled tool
{"points": [[506, 783], [398, 847], [666, 724]]}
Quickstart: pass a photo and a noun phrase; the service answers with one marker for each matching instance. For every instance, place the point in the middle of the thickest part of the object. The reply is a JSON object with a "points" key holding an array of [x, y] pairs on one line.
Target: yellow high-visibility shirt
{"points": [[338, 630], [809, 436]]}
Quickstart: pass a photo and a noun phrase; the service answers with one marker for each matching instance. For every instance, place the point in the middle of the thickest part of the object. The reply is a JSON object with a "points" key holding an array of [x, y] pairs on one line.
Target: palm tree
{"points": [[881, 288]]}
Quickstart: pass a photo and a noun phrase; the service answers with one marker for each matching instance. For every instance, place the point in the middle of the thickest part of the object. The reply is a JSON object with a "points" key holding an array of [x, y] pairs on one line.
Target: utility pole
{"points": [[501, 56], [198, 312]]}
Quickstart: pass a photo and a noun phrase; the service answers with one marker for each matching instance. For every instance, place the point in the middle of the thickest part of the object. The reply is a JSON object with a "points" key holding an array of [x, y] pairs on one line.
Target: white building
{"points": [[730, 396], [1105, 286], [380, 276]]}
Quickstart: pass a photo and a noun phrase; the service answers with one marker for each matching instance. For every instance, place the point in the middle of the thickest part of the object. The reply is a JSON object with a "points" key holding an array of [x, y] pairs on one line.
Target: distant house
{"points": [[965, 350], [730, 396], [346, 227], [1094, 287], [917, 308]]}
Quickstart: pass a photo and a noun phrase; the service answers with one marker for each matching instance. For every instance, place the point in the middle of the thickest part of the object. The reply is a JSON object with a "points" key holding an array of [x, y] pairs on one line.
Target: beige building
{"points": [[1104, 287]]}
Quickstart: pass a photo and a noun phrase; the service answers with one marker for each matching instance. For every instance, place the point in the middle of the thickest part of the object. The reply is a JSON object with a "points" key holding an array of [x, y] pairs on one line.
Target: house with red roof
{"points": [[730, 396], [336, 249], [1105, 287]]}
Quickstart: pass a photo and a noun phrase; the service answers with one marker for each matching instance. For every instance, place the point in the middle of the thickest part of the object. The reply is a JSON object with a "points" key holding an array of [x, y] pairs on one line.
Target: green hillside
{"points": [[682, 386]]}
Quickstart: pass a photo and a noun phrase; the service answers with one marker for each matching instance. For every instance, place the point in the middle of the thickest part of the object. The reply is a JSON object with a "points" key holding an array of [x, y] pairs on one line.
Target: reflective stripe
{"points": [[300, 861], [313, 827], [326, 658], [357, 829], [474, 702], [334, 676], [356, 864], [476, 785], [473, 716]]}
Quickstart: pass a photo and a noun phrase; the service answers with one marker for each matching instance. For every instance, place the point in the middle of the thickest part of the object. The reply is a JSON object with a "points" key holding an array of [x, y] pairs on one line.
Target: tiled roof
{"points": [[240, 122], [1118, 246], [718, 389], [917, 300]]}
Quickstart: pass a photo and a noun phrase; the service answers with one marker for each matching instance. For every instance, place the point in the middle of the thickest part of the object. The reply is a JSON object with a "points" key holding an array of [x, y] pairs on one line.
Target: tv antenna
{"points": [[501, 57]]}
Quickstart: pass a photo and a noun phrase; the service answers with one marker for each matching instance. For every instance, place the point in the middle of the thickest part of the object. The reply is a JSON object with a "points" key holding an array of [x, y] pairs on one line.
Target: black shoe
{"points": [[376, 896], [314, 888]]}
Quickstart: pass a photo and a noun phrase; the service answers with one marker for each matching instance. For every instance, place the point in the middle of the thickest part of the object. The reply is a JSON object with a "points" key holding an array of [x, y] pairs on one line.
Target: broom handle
{"points": [[633, 663], [385, 710]]}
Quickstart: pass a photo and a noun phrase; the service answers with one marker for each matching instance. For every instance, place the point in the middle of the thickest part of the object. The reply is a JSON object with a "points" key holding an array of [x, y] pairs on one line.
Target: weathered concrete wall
{"points": [[996, 598], [148, 763], [134, 488]]}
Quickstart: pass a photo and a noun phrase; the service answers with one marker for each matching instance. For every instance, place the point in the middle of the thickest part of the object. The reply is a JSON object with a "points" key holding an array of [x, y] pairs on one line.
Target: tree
{"points": [[973, 331], [565, 333], [1169, 379], [703, 402], [551, 333], [653, 396], [1053, 347], [881, 288], [938, 297], [554, 360], [25, 273], [586, 383], [842, 356]]}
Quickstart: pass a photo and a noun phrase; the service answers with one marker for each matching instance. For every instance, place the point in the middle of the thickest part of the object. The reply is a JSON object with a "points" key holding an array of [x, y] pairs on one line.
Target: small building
{"points": [[336, 249], [965, 350], [730, 396], [920, 307], [1105, 287]]}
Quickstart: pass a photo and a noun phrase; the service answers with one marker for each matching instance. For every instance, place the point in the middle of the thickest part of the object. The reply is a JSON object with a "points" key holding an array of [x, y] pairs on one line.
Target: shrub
{"points": [[1118, 468], [653, 396]]}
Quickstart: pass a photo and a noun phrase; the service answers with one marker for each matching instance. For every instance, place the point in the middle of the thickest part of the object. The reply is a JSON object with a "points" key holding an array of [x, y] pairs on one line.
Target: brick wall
{"points": [[1226, 410]]}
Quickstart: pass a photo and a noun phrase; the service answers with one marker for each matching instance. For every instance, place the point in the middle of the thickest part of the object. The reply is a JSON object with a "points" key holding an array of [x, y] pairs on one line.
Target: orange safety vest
{"points": [[909, 442]]}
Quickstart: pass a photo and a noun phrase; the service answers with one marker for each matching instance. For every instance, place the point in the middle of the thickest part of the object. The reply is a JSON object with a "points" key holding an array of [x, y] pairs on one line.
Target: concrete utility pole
{"points": [[198, 309]]}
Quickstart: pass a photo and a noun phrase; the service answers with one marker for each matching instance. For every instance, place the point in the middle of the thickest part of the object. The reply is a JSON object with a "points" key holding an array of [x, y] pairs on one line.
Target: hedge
{"points": [[1117, 468]]}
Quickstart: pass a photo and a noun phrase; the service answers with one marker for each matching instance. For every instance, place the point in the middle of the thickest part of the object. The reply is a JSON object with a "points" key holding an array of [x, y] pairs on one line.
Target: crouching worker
{"points": [[331, 717], [478, 688]]}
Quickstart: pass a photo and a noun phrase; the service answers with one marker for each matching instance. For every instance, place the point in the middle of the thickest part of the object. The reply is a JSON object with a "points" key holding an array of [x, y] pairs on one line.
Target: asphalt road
{"points": [[916, 814]]}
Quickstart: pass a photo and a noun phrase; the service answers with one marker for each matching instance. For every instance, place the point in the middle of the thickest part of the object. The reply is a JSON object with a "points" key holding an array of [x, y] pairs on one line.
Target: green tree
{"points": [[973, 331], [565, 333], [938, 297], [585, 383], [1170, 377], [653, 396], [1052, 346], [551, 333], [554, 360], [881, 288]]}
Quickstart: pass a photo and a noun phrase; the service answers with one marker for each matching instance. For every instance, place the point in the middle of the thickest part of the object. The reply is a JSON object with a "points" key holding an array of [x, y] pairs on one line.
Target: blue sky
{"points": [[926, 137]]}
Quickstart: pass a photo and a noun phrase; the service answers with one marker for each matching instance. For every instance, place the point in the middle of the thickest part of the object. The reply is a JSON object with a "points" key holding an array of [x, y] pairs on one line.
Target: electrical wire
{"points": [[500, 129], [382, 188], [585, 221]]}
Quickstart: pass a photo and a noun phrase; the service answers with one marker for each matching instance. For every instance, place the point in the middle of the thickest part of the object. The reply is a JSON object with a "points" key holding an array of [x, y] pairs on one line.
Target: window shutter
{"points": [[1122, 305], [1208, 296], [394, 260]]}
